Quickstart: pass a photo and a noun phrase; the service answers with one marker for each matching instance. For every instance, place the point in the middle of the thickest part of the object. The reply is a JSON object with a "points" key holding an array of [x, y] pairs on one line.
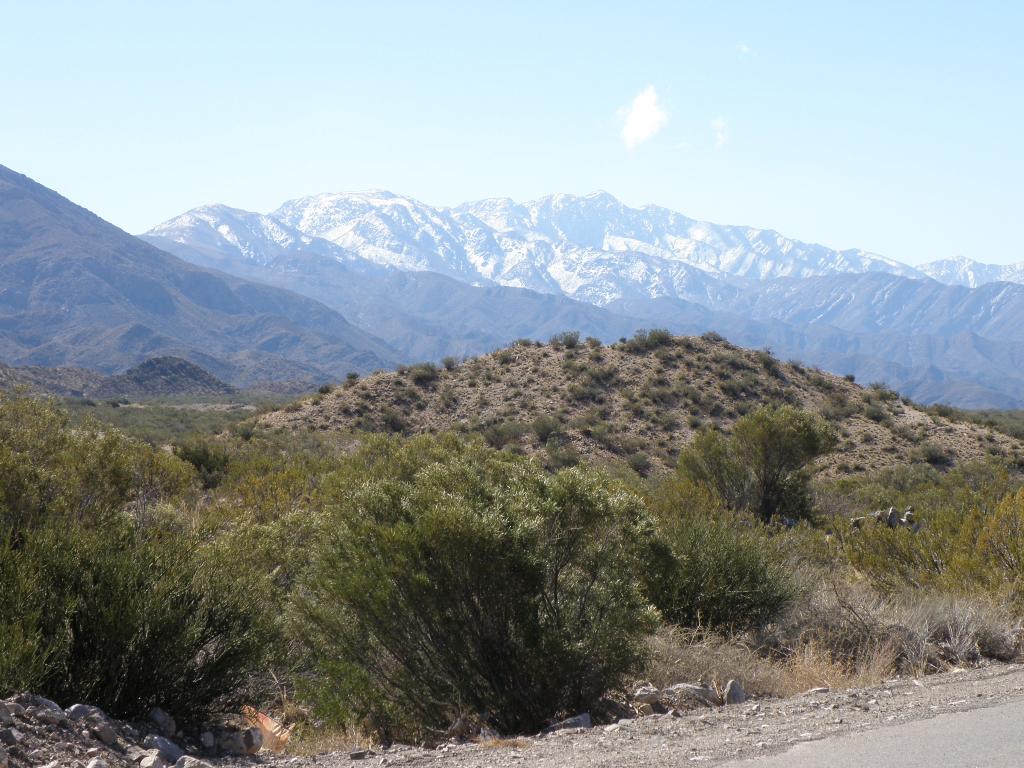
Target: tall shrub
{"points": [[459, 580]]}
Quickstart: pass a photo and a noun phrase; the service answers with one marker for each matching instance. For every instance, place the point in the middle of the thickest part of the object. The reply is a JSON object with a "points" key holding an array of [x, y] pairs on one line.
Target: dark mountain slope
{"points": [[75, 290]]}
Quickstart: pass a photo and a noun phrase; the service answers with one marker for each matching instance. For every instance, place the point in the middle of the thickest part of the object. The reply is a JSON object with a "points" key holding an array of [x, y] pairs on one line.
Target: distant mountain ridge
{"points": [[156, 377], [430, 281]]}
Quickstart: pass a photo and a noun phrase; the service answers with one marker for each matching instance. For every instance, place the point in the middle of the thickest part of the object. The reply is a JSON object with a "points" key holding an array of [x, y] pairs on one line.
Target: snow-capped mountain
{"points": [[435, 281], [591, 248], [968, 272], [219, 231]]}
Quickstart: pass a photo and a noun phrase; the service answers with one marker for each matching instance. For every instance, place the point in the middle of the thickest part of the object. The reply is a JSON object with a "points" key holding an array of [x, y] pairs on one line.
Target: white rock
{"points": [[168, 750], [163, 721], [153, 760]]}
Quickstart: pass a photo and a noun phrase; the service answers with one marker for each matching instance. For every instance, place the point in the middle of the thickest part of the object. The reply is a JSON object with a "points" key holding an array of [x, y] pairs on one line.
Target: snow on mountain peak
{"points": [[592, 247]]}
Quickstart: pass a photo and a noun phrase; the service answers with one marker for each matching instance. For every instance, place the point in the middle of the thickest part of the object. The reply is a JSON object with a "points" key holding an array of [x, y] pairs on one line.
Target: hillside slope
{"points": [[641, 401], [77, 291]]}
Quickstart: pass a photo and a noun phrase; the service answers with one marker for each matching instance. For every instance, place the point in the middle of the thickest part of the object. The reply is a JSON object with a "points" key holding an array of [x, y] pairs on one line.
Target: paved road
{"points": [[979, 738]]}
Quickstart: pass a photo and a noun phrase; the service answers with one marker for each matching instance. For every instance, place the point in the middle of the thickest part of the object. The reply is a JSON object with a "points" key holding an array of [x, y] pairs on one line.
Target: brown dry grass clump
{"points": [[841, 637]]}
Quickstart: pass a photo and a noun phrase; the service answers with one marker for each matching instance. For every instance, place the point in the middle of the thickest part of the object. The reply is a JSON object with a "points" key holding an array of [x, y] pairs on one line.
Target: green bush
{"points": [[423, 374], [761, 466], [567, 339], [209, 459], [646, 341], [710, 567], [458, 580], [105, 598], [546, 426]]}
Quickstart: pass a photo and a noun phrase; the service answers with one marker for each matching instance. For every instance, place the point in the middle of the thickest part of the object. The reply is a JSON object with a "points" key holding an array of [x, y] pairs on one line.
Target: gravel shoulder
{"points": [[713, 736]]}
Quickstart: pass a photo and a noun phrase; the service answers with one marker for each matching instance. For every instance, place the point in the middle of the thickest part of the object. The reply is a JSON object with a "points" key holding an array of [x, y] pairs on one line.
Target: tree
{"points": [[761, 466]]}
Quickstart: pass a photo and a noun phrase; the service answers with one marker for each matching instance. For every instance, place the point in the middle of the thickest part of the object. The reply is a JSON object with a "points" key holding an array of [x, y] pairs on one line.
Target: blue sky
{"points": [[895, 127]]}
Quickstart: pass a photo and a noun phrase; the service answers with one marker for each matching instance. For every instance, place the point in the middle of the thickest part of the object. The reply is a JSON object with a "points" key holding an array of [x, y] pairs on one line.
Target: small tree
{"points": [[761, 467]]}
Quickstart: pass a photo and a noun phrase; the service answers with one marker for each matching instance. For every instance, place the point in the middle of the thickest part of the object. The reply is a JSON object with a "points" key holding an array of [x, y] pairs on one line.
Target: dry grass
{"points": [[842, 637], [308, 741]]}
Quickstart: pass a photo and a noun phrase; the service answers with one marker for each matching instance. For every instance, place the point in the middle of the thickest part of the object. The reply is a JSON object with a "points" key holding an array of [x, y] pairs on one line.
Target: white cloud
{"points": [[720, 127], [644, 118], [745, 49]]}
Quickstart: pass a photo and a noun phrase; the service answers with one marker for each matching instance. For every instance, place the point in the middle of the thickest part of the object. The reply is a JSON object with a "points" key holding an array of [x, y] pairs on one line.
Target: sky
{"points": [[892, 127]]}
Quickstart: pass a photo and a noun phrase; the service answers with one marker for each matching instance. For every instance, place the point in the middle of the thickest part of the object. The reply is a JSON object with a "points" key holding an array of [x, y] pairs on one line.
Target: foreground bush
{"points": [[712, 567], [104, 598], [459, 580]]}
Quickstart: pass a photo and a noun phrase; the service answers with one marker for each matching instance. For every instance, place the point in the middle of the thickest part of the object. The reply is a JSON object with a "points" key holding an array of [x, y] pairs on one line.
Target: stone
{"points": [[11, 736], [82, 711], [207, 739], [153, 759], [30, 700], [5, 760], [247, 742], [168, 750], [644, 710], [15, 709], [646, 694], [163, 722], [734, 693], [97, 763], [821, 689], [360, 754], [101, 728], [47, 715], [699, 693], [6, 718], [191, 762], [581, 720]]}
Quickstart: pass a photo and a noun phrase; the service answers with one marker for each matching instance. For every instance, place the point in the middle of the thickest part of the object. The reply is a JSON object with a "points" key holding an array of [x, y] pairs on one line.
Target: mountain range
{"points": [[76, 291], [432, 281]]}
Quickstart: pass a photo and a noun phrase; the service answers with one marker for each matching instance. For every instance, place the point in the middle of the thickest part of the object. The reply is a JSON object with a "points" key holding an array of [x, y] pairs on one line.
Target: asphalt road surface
{"points": [[979, 738]]}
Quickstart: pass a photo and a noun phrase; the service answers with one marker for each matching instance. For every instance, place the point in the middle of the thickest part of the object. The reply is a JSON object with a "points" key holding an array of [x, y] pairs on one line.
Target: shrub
{"points": [[209, 459], [645, 341], [105, 597], [711, 568], [933, 454], [545, 426], [459, 580], [325, 389], [450, 363], [423, 374], [761, 467], [351, 378], [567, 339], [503, 434]]}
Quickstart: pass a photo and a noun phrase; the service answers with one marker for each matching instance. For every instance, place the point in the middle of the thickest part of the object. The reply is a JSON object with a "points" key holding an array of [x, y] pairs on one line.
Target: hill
{"points": [[77, 291], [162, 377], [157, 377], [639, 400]]}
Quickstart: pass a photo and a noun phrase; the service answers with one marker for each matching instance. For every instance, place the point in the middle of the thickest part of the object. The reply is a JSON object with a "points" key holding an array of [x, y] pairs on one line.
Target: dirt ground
{"points": [[709, 737]]}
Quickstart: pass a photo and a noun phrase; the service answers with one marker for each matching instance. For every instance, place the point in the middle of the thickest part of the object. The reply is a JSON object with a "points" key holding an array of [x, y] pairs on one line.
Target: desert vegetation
{"points": [[397, 581]]}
